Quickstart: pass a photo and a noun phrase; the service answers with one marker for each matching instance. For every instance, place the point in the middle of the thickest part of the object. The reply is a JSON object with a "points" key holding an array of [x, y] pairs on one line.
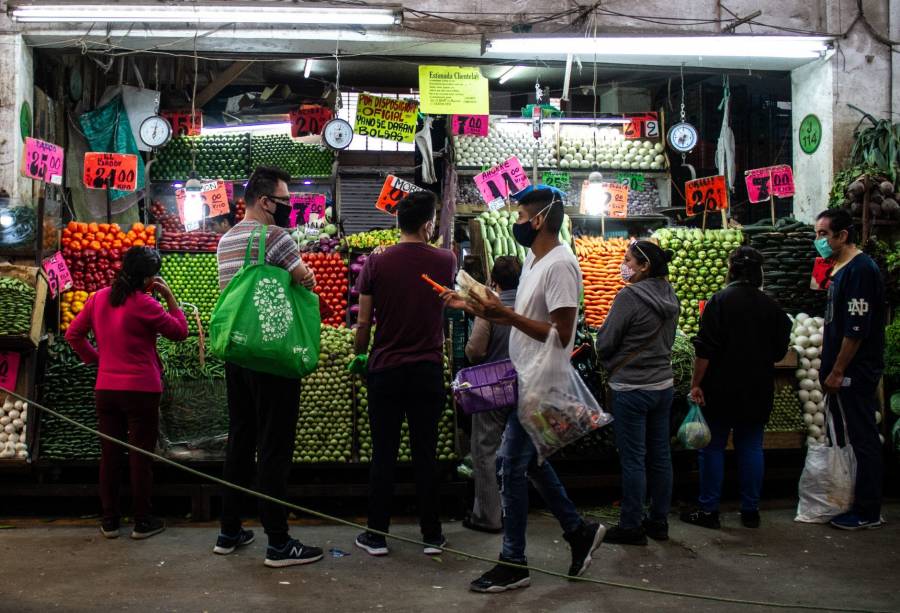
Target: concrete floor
{"points": [[67, 566]]}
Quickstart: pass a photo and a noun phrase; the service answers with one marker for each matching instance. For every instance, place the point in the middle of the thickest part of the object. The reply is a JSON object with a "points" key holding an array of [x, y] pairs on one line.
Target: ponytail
{"points": [[139, 264]]}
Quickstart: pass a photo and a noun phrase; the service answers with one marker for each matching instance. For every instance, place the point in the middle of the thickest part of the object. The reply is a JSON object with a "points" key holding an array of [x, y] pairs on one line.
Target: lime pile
{"points": [[297, 159], [225, 156], [194, 279]]}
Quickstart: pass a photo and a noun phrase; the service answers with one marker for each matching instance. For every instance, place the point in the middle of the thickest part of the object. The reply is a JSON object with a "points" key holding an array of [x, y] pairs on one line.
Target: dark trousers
{"points": [[415, 391], [262, 422], [131, 416], [860, 407]]}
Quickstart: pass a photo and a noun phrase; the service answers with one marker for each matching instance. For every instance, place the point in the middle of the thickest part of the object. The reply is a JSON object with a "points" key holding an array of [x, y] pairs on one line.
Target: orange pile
{"points": [[600, 260], [79, 235]]}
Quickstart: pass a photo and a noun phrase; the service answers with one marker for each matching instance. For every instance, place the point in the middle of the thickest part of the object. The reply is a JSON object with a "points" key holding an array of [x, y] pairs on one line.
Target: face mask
{"points": [[823, 247], [525, 233], [282, 215], [626, 271]]}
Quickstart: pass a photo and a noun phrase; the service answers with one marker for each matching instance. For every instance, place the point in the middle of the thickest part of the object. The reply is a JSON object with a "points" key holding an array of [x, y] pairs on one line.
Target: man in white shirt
{"points": [[549, 290]]}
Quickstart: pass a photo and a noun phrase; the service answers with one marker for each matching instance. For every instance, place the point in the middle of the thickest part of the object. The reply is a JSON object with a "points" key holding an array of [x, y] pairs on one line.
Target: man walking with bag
{"points": [[262, 408], [853, 358]]}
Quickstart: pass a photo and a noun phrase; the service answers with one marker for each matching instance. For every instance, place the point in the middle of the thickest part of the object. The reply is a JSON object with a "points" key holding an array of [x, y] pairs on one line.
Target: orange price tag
{"points": [[110, 171], [706, 194], [309, 119], [394, 190], [618, 202], [215, 201]]}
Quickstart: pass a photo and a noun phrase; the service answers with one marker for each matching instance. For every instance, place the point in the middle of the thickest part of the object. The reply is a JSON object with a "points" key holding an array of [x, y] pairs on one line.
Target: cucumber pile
{"points": [[68, 389], [790, 254], [497, 235]]}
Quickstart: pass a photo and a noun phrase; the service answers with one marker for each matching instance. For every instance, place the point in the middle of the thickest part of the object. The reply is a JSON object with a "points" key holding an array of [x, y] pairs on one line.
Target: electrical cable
{"points": [[412, 541]]}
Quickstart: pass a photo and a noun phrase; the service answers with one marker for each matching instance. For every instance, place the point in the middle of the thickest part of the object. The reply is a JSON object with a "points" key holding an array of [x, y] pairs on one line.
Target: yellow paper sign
{"points": [[449, 90], [386, 118]]}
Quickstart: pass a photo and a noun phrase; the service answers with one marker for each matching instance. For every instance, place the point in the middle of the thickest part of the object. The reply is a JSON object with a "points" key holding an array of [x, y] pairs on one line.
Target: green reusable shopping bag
{"points": [[264, 322]]}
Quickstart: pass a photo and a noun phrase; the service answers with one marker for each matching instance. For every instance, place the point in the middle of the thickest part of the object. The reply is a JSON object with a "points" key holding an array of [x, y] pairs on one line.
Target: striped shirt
{"points": [[281, 250]]}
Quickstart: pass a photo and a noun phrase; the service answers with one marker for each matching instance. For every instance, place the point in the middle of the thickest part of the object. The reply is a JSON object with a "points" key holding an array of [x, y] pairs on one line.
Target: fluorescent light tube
{"points": [[706, 46], [258, 129], [599, 120], [307, 69], [509, 74], [112, 13]]}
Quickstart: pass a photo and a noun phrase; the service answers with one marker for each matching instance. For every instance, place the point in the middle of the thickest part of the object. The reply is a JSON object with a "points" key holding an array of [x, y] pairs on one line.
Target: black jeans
{"points": [[860, 407], [417, 392], [262, 422]]}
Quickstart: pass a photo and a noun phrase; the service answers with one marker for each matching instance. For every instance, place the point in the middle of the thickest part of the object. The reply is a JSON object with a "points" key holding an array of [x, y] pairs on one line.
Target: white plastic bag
{"points": [[555, 406], [829, 476]]}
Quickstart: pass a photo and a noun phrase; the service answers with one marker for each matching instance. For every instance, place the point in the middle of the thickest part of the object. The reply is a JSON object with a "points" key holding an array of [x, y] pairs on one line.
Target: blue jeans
{"points": [[748, 440], [642, 436], [518, 463]]}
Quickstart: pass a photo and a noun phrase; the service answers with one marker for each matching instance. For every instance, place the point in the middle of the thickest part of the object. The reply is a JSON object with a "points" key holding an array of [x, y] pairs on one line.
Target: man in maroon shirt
{"points": [[405, 368]]}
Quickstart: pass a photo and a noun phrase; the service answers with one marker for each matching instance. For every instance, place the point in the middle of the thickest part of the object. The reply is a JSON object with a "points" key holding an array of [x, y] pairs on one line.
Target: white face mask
{"points": [[627, 272]]}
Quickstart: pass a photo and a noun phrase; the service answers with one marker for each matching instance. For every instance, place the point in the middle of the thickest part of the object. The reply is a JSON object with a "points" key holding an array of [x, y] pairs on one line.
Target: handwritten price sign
{"points": [[706, 194], [502, 180], [607, 199], [183, 124], [110, 171], [472, 125], [309, 119], [617, 199], [642, 125], [59, 278], [43, 161], [307, 207], [9, 369], [559, 180], [763, 183], [393, 191], [214, 197]]}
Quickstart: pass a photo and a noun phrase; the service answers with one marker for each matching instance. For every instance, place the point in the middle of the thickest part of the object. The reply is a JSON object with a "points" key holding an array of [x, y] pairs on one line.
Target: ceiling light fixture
{"points": [[509, 74], [307, 69], [111, 13]]}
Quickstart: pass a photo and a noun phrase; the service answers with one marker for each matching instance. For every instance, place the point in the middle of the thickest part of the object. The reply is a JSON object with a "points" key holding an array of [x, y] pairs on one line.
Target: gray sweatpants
{"points": [[487, 432]]}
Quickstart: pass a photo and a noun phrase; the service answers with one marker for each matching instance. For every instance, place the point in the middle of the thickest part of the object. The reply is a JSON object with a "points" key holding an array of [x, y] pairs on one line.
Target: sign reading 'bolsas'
{"points": [[386, 118]]}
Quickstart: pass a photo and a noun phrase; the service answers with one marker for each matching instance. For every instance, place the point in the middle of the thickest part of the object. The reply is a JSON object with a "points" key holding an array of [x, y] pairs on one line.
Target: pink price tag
{"points": [[229, 190], [9, 369], [503, 179], [782, 181], [472, 125], [43, 161], [304, 206], [763, 183], [58, 276]]}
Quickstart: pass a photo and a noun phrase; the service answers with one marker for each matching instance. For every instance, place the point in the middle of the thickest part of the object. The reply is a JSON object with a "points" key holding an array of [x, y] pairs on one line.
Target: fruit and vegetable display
{"points": [[892, 354], [194, 279], [806, 339], [698, 268], [789, 257], [167, 220], [576, 148], [70, 305], [880, 193], [240, 209], [16, 305], [19, 232], [297, 159], [332, 284], [13, 429], [93, 252], [225, 156], [325, 422], [600, 260], [68, 389], [194, 405], [787, 411], [683, 354], [371, 239], [196, 241], [497, 237]]}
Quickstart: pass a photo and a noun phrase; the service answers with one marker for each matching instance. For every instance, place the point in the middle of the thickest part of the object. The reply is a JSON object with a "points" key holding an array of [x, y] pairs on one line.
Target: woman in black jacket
{"points": [[743, 333]]}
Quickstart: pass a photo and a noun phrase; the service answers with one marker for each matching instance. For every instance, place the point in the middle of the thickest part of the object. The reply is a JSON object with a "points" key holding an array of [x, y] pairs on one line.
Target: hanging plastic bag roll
{"points": [[555, 406]]}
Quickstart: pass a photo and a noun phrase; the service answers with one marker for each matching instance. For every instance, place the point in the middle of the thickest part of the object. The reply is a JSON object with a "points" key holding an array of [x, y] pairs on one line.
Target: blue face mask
{"points": [[823, 247]]}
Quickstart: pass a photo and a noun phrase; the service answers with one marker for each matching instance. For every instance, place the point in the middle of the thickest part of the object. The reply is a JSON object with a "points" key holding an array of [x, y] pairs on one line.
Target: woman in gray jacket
{"points": [[635, 346]]}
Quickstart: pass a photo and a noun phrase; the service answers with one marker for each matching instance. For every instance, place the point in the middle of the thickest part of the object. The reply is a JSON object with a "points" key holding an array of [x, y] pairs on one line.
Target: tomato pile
{"points": [[189, 241], [331, 284], [240, 210], [168, 221], [93, 252]]}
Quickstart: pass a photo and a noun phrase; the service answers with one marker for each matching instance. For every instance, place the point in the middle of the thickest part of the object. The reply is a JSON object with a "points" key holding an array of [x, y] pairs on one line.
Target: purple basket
{"points": [[486, 387]]}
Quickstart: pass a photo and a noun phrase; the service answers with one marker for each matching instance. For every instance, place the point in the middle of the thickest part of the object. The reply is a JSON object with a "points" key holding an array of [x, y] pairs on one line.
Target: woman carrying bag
{"points": [[743, 333], [635, 347]]}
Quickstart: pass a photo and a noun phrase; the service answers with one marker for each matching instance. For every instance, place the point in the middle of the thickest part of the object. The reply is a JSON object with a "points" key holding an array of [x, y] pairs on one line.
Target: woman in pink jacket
{"points": [[126, 320]]}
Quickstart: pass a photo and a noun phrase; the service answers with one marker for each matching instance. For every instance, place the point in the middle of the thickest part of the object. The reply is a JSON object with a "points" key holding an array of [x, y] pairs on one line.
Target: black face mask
{"points": [[524, 233], [282, 215]]}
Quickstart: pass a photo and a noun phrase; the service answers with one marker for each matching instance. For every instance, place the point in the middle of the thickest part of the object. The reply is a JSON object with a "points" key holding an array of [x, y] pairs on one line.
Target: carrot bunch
{"points": [[600, 260]]}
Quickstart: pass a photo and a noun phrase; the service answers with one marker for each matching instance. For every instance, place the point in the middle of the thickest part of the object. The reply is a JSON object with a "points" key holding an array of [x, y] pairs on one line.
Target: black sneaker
{"points": [[502, 578], [750, 519], [145, 528], [294, 552], [227, 544], [435, 547], [374, 544], [702, 518], [657, 530], [109, 528], [583, 543], [618, 535]]}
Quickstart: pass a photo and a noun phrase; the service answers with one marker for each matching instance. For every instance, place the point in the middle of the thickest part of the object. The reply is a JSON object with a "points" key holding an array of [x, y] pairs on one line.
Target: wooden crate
{"points": [[34, 277]]}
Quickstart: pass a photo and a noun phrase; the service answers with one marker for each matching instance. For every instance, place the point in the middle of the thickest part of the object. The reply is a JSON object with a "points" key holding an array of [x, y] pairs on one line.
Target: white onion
{"points": [[801, 374], [812, 352], [804, 395], [815, 396], [801, 317], [815, 431], [802, 341], [807, 384], [810, 407], [816, 340], [808, 419], [877, 417], [812, 373], [804, 363], [819, 419], [817, 363]]}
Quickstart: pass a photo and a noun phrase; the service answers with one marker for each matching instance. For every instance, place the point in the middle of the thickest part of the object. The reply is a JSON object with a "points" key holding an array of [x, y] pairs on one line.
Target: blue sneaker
{"points": [[373, 544], [227, 544], [294, 552], [852, 521]]}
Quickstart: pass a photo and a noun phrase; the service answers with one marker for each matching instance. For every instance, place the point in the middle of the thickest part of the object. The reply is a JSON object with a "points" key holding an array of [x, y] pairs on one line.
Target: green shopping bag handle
{"points": [[260, 233]]}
